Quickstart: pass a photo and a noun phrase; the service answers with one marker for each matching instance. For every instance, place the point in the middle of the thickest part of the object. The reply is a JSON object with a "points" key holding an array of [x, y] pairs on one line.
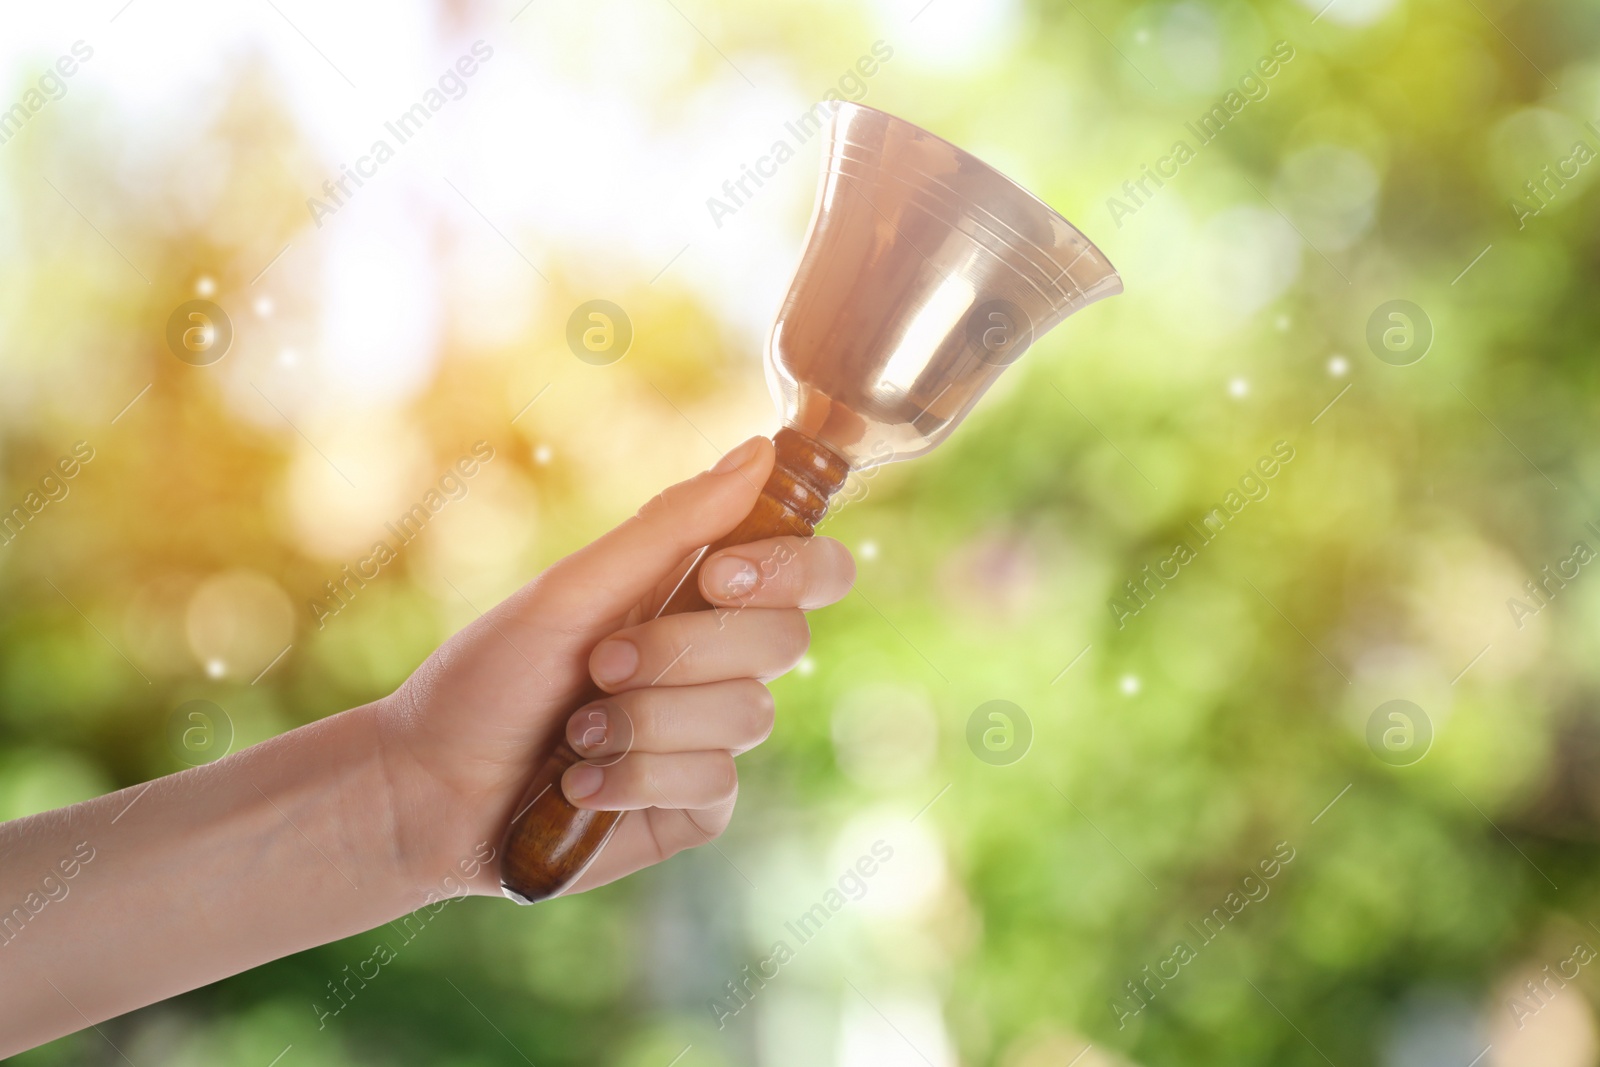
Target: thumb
{"points": [[606, 578]]}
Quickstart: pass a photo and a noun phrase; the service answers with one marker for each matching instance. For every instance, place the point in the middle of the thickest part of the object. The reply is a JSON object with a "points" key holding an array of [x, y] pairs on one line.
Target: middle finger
{"points": [[699, 647]]}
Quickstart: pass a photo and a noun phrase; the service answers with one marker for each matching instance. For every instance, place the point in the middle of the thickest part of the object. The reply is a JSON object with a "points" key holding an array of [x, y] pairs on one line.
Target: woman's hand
{"points": [[685, 694], [353, 820]]}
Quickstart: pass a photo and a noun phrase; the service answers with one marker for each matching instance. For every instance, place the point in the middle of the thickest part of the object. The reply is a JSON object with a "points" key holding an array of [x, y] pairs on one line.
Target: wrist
{"points": [[436, 841], [365, 800], [345, 755]]}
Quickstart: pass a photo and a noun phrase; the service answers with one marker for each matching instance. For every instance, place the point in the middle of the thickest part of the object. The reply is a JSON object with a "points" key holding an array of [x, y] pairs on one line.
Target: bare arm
{"points": [[352, 821], [140, 895]]}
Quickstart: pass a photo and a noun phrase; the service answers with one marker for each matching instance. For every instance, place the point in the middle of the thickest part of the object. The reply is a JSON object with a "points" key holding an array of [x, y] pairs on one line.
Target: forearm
{"points": [[140, 895]]}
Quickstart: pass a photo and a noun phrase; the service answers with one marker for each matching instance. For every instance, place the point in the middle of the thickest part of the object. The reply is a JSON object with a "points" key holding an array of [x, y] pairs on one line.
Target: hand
{"points": [[353, 820], [685, 693]]}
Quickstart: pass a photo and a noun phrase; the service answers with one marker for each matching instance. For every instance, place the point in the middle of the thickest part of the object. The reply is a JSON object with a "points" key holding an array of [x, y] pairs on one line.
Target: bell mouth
{"points": [[926, 273], [1050, 255]]}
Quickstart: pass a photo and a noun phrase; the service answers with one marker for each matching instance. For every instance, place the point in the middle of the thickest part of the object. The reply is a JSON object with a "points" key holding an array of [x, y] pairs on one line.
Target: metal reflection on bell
{"points": [[925, 274]]}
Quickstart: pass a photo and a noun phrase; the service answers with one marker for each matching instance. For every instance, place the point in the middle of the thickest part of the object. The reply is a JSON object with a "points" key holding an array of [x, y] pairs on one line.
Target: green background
{"points": [[1227, 719]]}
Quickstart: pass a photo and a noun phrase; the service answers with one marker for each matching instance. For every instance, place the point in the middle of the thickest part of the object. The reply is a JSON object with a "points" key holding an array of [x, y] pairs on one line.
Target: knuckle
{"points": [[663, 641], [761, 708], [830, 571], [655, 509], [794, 631], [640, 704], [626, 727], [632, 777], [678, 656], [557, 596], [653, 717], [776, 566], [702, 826], [805, 576], [722, 777], [669, 506], [844, 560], [770, 566]]}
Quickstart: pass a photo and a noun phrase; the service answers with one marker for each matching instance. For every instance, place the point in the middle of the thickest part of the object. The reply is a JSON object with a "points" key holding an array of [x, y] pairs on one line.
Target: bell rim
{"points": [[1114, 279]]}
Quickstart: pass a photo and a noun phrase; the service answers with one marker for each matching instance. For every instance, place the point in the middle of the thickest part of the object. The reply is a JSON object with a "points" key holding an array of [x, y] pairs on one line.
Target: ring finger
{"points": [[690, 780], [734, 715]]}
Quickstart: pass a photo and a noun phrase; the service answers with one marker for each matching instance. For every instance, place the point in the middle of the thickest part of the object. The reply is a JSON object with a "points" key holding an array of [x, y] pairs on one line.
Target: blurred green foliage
{"points": [[1170, 754]]}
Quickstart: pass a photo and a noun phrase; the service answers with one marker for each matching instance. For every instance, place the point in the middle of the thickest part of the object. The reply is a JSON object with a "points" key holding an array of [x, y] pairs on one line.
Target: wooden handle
{"points": [[550, 843]]}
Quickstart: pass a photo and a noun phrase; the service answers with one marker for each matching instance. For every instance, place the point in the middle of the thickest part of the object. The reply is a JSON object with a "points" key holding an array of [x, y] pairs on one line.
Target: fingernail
{"points": [[737, 458], [730, 576], [614, 661], [589, 729], [582, 780]]}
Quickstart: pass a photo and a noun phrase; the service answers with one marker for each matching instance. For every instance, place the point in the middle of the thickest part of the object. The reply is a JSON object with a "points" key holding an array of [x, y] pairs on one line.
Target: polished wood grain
{"points": [[550, 843]]}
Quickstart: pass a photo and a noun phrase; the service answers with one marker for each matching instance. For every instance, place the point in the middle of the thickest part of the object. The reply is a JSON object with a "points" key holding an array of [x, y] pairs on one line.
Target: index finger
{"points": [[780, 572]]}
